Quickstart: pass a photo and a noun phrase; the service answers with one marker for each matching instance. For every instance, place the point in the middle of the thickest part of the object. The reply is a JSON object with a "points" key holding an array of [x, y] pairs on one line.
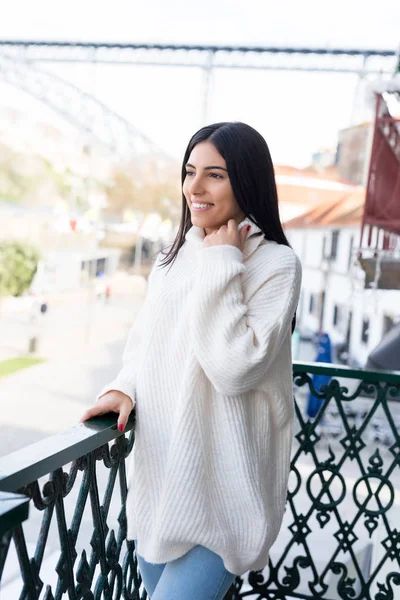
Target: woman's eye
{"points": [[213, 175]]}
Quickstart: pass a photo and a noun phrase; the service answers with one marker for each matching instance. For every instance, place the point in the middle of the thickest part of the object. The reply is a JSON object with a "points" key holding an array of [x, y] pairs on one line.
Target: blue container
{"points": [[324, 355]]}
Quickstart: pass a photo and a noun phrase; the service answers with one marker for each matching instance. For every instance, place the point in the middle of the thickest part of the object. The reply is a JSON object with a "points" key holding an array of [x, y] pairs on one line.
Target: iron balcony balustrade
{"points": [[340, 537]]}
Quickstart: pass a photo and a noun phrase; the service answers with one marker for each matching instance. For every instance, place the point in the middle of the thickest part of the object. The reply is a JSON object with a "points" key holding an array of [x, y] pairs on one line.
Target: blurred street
{"points": [[82, 337]]}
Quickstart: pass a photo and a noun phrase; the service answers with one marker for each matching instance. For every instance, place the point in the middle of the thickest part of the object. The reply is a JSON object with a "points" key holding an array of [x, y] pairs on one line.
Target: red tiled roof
{"points": [[301, 190], [347, 209], [327, 173]]}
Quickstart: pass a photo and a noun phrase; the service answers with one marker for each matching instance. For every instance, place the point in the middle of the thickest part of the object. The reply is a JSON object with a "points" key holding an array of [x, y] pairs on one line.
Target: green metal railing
{"points": [[340, 537], [107, 563]]}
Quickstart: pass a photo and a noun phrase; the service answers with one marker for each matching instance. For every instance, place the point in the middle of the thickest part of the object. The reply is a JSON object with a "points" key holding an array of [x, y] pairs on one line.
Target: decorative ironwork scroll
{"points": [[340, 538]]}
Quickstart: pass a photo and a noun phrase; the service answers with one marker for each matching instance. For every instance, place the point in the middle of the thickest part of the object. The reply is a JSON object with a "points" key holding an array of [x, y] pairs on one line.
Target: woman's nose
{"points": [[195, 186]]}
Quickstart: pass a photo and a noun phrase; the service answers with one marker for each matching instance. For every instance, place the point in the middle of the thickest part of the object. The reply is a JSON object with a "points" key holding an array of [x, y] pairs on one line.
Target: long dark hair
{"points": [[252, 178]]}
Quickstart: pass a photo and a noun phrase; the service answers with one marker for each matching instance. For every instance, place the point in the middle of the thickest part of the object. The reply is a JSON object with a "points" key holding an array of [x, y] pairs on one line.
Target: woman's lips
{"points": [[201, 206]]}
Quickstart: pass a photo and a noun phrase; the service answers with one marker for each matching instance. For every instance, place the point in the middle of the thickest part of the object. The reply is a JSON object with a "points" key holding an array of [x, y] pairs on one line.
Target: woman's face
{"points": [[208, 190]]}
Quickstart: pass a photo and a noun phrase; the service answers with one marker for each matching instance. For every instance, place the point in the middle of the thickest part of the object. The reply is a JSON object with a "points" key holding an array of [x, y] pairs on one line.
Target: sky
{"points": [[297, 113]]}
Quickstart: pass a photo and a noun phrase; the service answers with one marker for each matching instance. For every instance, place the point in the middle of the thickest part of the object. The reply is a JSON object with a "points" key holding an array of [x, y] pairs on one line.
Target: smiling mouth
{"points": [[200, 206]]}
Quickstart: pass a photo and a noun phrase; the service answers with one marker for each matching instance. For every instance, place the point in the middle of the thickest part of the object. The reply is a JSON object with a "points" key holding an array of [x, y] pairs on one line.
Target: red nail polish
{"points": [[248, 227], [120, 427]]}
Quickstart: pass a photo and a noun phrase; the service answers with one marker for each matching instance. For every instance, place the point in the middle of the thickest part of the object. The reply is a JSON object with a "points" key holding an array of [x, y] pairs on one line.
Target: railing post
{"points": [[14, 510]]}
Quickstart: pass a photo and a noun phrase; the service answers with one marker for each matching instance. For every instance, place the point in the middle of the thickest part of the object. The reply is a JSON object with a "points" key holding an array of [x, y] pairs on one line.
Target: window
{"points": [[100, 266], [311, 307], [335, 314], [316, 304], [321, 307], [348, 327], [340, 316], [351, 247], [335, 242], [388, 323], [338, 152], [365, 330], [324, 248]]}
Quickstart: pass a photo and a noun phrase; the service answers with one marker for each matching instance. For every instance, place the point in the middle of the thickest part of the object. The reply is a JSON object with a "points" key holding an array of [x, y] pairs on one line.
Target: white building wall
{"points": [[313, 248], [62, 270], [373, 305], [343, 285]]}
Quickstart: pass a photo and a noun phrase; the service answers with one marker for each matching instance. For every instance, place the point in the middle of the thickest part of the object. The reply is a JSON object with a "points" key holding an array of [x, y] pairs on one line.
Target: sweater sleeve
{"points": [[235, 343]]}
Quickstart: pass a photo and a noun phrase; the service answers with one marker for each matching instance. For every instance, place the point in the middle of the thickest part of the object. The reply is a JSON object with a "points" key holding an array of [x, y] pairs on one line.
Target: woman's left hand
{"points": [[227, 235]]}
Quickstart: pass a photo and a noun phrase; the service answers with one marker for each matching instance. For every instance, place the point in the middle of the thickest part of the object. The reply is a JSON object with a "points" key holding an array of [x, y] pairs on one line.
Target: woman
{"points": [[208, 367]]}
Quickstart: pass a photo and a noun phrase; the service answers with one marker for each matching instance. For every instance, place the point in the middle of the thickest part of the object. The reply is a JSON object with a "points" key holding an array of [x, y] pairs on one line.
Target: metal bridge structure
{"points": [[282, 58], [103, 127], [23, 65]]}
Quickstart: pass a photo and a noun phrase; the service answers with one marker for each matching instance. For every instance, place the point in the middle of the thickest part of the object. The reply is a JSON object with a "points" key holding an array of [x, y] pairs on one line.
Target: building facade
{"points": [[334, 298]]}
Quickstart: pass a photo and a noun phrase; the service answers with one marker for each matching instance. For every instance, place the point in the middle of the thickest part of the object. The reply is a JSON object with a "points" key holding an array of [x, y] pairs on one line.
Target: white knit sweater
{"points": [[208, 362]]}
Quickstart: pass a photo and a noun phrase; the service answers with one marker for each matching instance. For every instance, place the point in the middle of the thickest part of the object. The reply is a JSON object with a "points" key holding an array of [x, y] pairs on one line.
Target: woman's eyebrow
{"points": [[207, 168]]}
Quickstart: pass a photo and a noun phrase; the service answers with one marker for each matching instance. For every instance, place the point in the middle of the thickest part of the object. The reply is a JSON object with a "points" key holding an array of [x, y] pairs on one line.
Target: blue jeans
{"points": [[197, 575]]}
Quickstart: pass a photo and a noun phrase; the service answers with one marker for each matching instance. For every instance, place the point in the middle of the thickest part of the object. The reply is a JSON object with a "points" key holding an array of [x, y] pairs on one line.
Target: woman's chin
{"points": [[201, 220]]}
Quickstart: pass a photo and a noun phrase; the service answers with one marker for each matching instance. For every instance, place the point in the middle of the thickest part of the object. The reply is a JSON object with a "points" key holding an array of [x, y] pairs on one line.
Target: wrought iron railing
{"points": [[340, 538], [83, 492]]}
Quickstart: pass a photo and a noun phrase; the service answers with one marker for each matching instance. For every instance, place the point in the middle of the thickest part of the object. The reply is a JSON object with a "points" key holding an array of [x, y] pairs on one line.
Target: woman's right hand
{"points": [[112, 401]]}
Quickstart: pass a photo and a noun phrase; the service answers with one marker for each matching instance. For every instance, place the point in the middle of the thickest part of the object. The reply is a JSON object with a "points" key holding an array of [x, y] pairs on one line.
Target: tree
{"points": [[18, 265], [33, 180], [122, 193], [146, 187]]}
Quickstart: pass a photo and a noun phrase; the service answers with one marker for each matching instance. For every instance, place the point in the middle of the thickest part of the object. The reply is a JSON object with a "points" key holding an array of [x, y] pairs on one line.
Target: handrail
{"points": [[28, 464], [335, 370]]}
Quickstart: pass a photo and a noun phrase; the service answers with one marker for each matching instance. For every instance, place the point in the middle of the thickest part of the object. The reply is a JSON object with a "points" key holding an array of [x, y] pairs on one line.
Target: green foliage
{"points": [[33, 180], [18, 265], [12, 365], [11, 183]]}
